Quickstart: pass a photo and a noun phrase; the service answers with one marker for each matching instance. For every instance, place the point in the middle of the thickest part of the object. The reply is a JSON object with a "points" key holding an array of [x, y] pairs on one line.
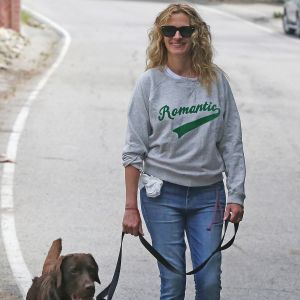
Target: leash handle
{"points": [[169, 266], [110, 289]]}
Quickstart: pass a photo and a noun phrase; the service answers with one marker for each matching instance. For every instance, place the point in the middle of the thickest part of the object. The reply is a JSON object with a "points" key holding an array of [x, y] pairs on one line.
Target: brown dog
{"points": [[69, 277]]}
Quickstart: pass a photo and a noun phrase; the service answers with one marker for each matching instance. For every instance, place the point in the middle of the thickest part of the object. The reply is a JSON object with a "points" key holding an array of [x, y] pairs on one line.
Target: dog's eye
{"points": [[74, 271]]}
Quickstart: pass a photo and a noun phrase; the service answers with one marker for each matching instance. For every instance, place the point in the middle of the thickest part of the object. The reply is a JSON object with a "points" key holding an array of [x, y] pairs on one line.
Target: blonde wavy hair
{"points": [[201, 50]]}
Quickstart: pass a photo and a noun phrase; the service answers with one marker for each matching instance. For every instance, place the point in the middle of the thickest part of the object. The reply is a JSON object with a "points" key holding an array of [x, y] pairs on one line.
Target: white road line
{"points": [[13, 251], [257, 26], [232, 16]]}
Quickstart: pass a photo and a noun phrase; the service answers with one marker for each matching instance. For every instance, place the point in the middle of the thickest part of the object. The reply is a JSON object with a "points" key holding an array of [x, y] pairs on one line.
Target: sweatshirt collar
{"points": [[173, 75]]}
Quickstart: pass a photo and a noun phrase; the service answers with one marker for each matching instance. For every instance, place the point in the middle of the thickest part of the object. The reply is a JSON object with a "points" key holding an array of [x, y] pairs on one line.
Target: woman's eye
{"points": [[74, 271]]}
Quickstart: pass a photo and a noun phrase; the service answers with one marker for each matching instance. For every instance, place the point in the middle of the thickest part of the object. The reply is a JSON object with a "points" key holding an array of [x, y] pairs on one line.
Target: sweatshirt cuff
{"points": [[237, 199], [134, 161]]}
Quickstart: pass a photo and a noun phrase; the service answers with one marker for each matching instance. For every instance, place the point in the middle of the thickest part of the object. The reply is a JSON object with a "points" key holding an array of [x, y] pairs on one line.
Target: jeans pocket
{"points": [[219, 208]]}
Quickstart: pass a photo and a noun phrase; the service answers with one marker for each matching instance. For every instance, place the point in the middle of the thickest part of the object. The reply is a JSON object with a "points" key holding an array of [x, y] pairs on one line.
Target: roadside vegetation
{"points": [[27, 19]]}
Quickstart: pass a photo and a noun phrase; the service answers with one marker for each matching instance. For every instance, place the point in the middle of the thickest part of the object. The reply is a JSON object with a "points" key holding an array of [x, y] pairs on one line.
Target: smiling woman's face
{"points": [[178, 45]]}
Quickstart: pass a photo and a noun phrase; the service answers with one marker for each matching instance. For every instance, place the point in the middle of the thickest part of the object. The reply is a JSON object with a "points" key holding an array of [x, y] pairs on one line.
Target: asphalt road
{"points": [[69, 179]]}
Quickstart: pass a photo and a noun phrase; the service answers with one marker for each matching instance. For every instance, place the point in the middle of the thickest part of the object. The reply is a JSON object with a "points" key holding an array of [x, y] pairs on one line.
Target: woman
{"points": [[183, 132]]}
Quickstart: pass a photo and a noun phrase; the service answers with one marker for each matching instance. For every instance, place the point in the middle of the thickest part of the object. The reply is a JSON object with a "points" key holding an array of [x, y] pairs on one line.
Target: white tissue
{"points": [[152, 185]]}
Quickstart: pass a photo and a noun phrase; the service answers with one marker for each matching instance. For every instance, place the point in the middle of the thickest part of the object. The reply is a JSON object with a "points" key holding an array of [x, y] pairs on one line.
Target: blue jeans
{"points": [[198, 212]]}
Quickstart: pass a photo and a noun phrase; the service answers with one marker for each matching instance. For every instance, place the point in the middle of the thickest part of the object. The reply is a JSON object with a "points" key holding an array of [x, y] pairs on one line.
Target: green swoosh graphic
{"points": [[185, 128]]}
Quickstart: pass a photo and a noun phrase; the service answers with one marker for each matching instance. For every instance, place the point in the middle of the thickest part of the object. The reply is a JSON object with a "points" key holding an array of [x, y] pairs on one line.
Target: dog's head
{"points": [[76, 274]]}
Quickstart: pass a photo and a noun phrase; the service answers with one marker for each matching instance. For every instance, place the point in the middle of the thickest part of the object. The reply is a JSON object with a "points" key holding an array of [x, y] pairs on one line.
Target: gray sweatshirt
{"points": [[181, 134]]}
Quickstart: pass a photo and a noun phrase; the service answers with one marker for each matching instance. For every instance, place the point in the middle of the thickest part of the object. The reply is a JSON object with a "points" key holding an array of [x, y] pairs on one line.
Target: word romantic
{"points": [[165, 111]]}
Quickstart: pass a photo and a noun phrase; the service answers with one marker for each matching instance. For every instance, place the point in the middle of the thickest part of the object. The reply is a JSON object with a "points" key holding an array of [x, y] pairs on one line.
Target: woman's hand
{"points": [[132, 222], [234, 212]]}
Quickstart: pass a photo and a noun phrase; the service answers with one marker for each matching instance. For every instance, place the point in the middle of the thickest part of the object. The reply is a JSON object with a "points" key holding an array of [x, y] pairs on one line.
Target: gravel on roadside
{"points": [[11, 45], [24, 55]]}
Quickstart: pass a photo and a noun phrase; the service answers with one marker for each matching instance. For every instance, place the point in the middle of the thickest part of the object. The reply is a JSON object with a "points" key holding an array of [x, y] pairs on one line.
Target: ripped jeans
{"points": [[198, 213]]}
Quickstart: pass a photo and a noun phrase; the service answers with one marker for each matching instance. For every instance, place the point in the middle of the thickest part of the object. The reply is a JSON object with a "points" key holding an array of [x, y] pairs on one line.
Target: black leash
{"points": [[110, 289]]}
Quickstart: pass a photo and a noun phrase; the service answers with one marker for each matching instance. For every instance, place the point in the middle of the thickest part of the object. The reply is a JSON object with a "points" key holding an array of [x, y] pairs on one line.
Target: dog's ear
{"points": [[52, 257], [58, 271], [96, 265]]}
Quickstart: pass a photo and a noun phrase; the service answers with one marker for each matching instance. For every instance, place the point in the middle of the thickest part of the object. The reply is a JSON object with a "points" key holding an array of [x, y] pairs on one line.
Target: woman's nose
{"points": [[177, 35]]}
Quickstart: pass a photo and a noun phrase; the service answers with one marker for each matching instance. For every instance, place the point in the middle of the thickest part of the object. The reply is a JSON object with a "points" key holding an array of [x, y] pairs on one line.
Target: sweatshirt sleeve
{"points": [[138, 129], [231, 149]]}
